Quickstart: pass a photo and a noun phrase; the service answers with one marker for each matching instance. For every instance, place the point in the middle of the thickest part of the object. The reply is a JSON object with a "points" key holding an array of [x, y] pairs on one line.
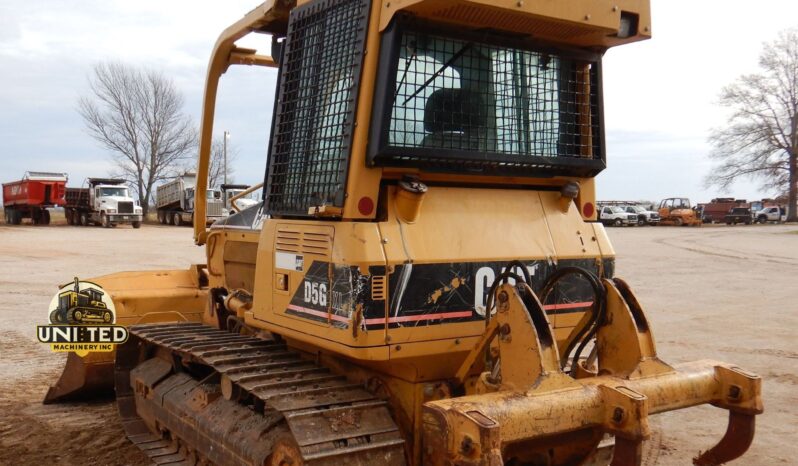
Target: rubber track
{"points": [[332, 421]]}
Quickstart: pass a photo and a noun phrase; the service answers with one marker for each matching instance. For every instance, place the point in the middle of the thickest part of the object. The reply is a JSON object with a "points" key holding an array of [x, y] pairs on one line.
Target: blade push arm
{"points": [[530, 398]]}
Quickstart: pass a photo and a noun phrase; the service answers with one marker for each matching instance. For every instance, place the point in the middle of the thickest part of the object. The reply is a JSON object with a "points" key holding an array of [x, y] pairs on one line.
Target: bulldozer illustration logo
{"points": [[82, 319], [81, 303]]}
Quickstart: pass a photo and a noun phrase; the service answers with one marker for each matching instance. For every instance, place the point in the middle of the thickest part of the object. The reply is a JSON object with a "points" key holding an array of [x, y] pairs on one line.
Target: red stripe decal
{"points": [[321, 314], [420, 317]]}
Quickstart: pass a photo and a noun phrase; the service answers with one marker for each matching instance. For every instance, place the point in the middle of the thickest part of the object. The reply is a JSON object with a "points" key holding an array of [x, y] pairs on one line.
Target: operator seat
{"points": [[456, 119]]}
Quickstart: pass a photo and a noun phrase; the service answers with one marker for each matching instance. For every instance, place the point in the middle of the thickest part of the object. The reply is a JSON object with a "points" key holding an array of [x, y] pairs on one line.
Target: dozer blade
{"points": [[139, 297], [84, 378]]}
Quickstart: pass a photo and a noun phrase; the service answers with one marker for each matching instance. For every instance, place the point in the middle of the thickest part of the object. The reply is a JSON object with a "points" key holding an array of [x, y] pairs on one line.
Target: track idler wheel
{"points": [[57, 317]]}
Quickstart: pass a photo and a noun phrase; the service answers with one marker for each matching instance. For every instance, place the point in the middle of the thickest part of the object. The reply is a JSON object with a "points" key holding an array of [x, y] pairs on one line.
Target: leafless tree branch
{"points": [[216, 168], [760, 139], [137, 115]]}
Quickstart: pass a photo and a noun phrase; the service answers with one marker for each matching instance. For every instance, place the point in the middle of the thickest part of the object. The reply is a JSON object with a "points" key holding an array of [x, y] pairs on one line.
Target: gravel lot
{"points": [[726, 293]]}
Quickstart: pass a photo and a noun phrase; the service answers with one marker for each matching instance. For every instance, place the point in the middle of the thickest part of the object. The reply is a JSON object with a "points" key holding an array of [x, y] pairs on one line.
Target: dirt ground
{"points": [[725, 293]]}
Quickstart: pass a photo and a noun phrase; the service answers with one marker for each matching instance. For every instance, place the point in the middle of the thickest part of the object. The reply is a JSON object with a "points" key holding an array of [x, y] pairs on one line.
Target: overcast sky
{"points": [[660, 95]]}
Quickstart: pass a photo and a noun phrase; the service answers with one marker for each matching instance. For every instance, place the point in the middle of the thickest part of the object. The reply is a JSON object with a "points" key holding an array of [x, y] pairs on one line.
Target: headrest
{"points": [[455, 110]]}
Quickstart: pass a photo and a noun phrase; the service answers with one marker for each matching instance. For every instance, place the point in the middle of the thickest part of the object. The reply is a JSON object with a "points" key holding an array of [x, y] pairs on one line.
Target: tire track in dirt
{"points": [[757, 257], [63, 434], [763, 351]]}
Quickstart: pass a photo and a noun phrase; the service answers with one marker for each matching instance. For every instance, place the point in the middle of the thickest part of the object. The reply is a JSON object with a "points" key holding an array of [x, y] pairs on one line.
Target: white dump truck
{"points": [[231, 190], [174, 202], [103, 201]]}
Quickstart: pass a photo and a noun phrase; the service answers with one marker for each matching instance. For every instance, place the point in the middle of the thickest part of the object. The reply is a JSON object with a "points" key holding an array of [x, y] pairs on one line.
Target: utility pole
{"points": [[224, 151]]}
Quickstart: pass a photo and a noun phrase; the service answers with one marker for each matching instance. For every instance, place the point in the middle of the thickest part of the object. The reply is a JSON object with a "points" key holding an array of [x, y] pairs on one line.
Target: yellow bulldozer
{"points": [[425, 280], [678, 211], [76, 306]]}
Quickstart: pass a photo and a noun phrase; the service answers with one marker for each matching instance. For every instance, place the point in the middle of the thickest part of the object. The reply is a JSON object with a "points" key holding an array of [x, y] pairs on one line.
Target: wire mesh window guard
{"points": [[471, 104], [316, 103]]}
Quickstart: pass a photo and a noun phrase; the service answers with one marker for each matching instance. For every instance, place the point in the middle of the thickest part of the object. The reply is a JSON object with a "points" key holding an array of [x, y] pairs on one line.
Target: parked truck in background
{"points": [[174, 201], [231, 190], [616, 216], [31, 196], [645, 215], [771, 214], [739, 215], [715, 210], [756, 206], [104, 201]]}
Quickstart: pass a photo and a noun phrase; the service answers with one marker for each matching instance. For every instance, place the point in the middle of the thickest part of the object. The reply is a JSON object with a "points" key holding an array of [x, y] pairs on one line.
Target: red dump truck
{"points": [[715, 211], [31, 196]]}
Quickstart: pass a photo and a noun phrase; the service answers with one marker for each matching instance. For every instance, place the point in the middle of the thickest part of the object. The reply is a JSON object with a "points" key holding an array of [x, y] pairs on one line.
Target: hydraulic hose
{"points": [[502, 277], [586, 333]]}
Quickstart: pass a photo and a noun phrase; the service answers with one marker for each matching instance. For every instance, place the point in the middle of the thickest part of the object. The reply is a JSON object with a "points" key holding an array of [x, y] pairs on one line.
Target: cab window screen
{"points": [[316, 104], [464, 103]]}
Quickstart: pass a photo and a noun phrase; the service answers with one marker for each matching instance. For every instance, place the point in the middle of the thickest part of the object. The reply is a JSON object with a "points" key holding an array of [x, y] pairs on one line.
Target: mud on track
{"points": [[726, 293]]}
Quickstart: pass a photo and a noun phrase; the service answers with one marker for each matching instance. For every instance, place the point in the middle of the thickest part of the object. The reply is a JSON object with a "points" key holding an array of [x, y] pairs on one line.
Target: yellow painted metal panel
{"points": [[587, 23]]}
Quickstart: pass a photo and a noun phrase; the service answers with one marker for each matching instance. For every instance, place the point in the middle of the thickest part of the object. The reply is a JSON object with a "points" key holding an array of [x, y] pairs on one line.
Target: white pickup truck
{"points": [[770, 214], [644, 217], [616, 216]]}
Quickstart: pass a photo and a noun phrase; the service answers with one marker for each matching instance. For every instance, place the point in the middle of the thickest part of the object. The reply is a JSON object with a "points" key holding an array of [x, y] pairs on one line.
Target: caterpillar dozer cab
{"points": [[425, 280]]}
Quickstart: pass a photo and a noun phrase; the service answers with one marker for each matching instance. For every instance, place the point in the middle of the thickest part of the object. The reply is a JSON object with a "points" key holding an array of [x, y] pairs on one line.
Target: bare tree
{"points": [[138, 115], [217, 165], [761, 138]]}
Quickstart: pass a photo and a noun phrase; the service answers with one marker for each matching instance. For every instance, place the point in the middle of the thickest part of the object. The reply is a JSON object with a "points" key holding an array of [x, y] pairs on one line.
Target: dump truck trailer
{"points": [[104, 201], [31, 196], [174, 201], [426, 281], [715, 211]]}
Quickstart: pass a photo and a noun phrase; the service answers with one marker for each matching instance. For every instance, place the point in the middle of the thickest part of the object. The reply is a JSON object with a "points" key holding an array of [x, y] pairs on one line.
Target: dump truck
{"points": [[103, 201], [229, 191], [756, 206], [715, 211], [175, 200], [31, 196], [426, 281], [680, 212]]}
